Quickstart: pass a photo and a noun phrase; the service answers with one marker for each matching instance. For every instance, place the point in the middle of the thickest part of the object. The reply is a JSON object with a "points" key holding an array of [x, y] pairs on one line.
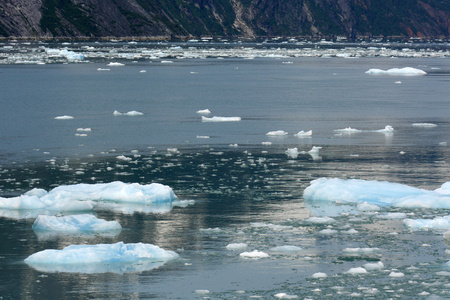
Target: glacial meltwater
{"points": [[224, 171]]}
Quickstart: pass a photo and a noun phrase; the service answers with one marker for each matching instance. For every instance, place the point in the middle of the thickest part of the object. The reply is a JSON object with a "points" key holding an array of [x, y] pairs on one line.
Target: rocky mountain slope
{"points": [[225, 18]]}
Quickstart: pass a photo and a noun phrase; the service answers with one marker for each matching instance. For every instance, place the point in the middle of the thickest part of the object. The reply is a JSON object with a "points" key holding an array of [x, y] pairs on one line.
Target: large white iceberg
{"points": [[100, 258], [381, 193], [408, 71], [84, 197], [84, 223]]}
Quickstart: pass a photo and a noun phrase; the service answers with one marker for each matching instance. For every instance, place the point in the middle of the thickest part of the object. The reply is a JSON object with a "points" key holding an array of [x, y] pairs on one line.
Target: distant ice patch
{"points": [[65, 117], [424, 125], [438, 223], [131, 113], [255, 254], [303, 134], [348, 130], [277, 133], [221, 119], [408, 71], [100, 258], [380, 193], [204, 111], [237, 246], [115, 64]]}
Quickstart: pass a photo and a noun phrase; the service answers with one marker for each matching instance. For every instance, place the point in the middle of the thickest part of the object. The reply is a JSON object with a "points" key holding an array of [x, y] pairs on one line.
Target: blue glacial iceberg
{"points": [[84, 223], [380, 193], [86, 197], [101, 258]]}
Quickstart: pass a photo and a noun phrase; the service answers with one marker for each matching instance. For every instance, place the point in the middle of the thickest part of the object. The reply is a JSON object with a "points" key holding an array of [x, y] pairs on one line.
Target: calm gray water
{"points": [[244, 191]]}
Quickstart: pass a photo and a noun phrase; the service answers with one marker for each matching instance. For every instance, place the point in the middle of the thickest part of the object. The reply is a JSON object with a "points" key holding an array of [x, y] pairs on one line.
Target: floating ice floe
{"points": [[277, 133], [221, 119], [115, 64], [237, 246], [348, 130], [303, 134], [287, 249], [438, 223], [100, 258], [387, 129], [424, 125], [374, 266], [65, 117], [84, 223], [292, 152], [204, 111], [380, 193], [285, 296], [71, 56], [131, 113], [102, 69], [408, 71], [319, 275], [86, 197], [356, 271], [255, 254], [84, 129]]}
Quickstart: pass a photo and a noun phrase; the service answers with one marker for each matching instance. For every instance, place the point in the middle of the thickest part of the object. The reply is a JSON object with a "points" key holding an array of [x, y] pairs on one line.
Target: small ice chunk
{"points": [[74, 223], [356, 271], [348, 130], [424, 125], [131, 113], [314, 150], [386, 129], [285, 296], [407, 71], [360, 251], [367, 207], [266, 143], [221, 119], [286, 249], [292, 152], [124, 158], [319, 275], [277, 133], [115, 64], [320, 220], [374, 266], [303, 134], [392, 216], [204, 111], [396, 274], [65, 117], [328, 231], [103, 69], [202, 137], [237, 246], [255, 254], [202, 292], [438, 223], [84, 129]]}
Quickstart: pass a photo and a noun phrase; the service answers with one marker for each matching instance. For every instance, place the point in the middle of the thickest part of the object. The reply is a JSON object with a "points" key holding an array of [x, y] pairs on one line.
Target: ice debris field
{"points": [[120, 52]]}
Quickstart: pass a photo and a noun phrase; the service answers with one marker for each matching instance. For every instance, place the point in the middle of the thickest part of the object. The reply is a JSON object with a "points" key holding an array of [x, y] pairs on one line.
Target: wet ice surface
{"points": [[238, 189], [250, 201]]}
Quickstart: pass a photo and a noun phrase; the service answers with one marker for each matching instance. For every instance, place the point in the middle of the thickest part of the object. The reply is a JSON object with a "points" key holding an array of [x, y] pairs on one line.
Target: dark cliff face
{"points": [[228, 18]]}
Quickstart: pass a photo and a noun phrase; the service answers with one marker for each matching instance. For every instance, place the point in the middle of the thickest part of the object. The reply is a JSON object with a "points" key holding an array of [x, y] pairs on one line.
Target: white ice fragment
{"points": [[320, 220], [374, 266], [167, 62], [285, 296], [131, 113], [115, 64], [124, 158], [204, 111], [202, 137], [237, 246], [286, 249], [319, 275], [386, 129], [367, 207], [255, 254], [328, 231], [102, 69], [407, 71], [348, 130], [303, 134], [221, 119], [292, 152], [392, 216], [396, 274], [65, 117], [266, 143], [360, 251], [84, 129], [277, 133], [398, 82], [74, 223], [424, 125], [143, 71], [438, 223], [118, 258], [202, 292], [356, 271], [314, 150]]}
